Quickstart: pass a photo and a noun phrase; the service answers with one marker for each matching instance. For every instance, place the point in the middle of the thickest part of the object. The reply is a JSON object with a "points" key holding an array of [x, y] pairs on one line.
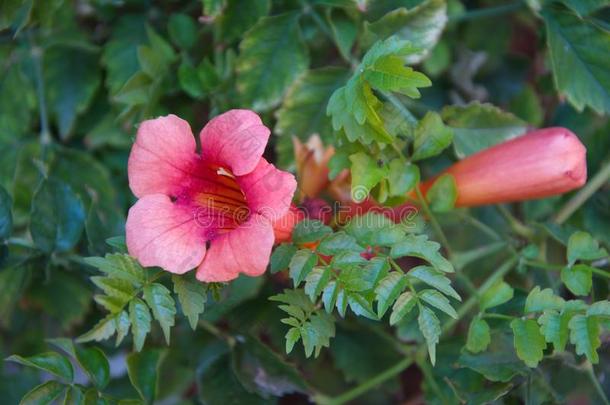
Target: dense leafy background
{"points": [[513, 307]]}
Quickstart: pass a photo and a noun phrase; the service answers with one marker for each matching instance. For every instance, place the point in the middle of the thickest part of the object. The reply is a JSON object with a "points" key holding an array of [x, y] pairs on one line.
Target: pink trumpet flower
{"points": [[538, 164], [211, 210]]}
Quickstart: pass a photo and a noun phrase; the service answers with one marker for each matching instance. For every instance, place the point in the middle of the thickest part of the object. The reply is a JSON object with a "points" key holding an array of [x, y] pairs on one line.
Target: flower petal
{"points": [[161, 233], [268, 190], [161, 157], [235, 139], [245, 249]]}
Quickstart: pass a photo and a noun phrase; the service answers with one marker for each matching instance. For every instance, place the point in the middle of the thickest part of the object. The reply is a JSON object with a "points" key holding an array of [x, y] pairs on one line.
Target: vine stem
{"points": [[437, 228], [596, 384], [408, 360], [583, 194], [558, 267]]}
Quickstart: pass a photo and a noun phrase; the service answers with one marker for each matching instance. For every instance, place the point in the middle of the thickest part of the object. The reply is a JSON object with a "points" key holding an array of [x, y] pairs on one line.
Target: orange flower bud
{"points": [[312, 165], [283, 226], [538, 164]]}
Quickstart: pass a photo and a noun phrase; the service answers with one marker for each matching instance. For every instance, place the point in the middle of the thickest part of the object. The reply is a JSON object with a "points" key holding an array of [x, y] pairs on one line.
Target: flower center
{"points": [[221, 203]]}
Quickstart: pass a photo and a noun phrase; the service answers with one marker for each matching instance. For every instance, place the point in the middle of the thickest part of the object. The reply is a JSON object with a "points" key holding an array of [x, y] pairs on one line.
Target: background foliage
{"points": [[512, 305]]}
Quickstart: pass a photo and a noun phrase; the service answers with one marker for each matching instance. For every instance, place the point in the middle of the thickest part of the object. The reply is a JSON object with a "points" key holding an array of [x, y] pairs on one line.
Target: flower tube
{"points": [[539, 164]]}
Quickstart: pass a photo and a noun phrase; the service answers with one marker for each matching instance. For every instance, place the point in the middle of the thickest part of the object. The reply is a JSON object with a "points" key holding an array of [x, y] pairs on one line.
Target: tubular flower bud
{"points": [[283, 226], [538, 164], [312, 165]]}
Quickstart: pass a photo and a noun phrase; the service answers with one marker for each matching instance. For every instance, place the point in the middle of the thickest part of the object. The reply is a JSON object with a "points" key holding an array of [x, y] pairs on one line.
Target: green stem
{"points": [[558, 267], [407, 361], [584, 194], [437, 228], [488, 12], [517, 226], [543, 265], [596, 384], [499, 316], [473, 300], [367, 385]]}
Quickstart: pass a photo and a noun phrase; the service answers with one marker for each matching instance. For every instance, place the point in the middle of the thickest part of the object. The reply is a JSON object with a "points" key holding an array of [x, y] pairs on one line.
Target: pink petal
{"points": [[268, 191], [161, 233], [235, 139], [161, 157], [245, 249]]}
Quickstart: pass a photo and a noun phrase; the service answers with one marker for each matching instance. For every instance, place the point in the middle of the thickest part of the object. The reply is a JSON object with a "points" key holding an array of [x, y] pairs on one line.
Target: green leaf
{"points": [[402, 306], [599, 308], [105, 328], [91, 359], [430, 327], [72, 77], [443, 193], [120, 290], [478, 335], [554, 327], [527, 106], [431, 137], [280, 258], [303, 111], [239, 16], [360, 305], [155, 59], [366, 174], [577, 46], [402, 177], [57, 216], [43, 394], [329, 296], [188, 76], [584, 334], [479, 126], [218, 385], [585, 7], [499, 293], [192, 295], [120, 55], [292, 336], [529, 342], [420, 246], [582, 246], [338, 242], [344, 31], [375, 229], [301, 264], [74, 396], [388, 289], [421, 25], [578, 279], [439, 301], [6, 217], [182, 30], [541, 300], [390, 74], [119, 266], [50, 362], [163, 307], [140, 322], [433, 278], [315, 282], [499, 362], [143, 371], [272, 55], [308, 231], [262, 371]]}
